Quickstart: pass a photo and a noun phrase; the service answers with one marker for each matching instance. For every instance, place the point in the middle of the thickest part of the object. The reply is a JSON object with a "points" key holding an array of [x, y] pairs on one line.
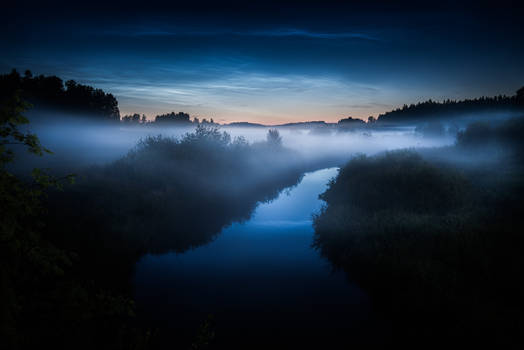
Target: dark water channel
{"points": [[261, 281]]}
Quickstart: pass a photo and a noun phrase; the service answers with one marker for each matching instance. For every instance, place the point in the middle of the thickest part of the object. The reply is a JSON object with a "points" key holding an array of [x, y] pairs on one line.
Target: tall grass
{"points": [[439, 250]]}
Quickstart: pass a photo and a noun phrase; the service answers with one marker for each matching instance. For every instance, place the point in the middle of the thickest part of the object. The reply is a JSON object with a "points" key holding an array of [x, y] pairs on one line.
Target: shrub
{"points": [[432, 245]]}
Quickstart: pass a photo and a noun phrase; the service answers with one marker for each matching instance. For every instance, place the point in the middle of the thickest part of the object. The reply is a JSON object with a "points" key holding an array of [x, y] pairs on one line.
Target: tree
{"points": [[10, 119], [422, 111], [273, 138], [178, 118], [134, 119], [208, 135], [520, 96], [22, 251], [349, 124], [49, 91]]}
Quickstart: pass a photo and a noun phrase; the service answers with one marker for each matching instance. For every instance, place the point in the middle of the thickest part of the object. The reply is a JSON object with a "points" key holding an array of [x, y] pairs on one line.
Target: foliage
{"points": [[433, 244], [205, 336], [506, 134], [21, 250], [153, 197], [10, 119], [433, 109], [349, 124], [134, 119], [177, 118], [50, 92], [43, 302], [274, 138]]}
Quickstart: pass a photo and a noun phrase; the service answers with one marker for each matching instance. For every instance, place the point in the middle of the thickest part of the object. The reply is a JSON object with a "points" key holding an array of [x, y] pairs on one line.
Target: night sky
{"points": [[271, 63]]}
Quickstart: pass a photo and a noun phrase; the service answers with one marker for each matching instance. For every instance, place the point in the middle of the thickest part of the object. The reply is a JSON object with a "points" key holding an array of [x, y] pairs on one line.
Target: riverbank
{"points": [[436, 242]]}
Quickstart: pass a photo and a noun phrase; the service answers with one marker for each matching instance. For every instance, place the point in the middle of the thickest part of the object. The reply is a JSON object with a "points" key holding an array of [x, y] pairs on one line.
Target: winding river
{"points": [[260, 280]]}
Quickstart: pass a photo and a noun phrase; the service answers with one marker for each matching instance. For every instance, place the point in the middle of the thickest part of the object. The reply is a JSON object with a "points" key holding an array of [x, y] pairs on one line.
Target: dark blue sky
{"points": [[269, 62]]}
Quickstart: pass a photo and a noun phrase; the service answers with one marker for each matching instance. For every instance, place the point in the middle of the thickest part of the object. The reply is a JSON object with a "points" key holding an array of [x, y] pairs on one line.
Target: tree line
{"points": [[180, 118], [431, 108], [51, 92]]}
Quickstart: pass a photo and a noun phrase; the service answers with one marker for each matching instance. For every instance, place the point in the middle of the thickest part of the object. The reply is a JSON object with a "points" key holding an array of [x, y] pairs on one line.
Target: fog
{"points": [[78, 141], [140, 194]]}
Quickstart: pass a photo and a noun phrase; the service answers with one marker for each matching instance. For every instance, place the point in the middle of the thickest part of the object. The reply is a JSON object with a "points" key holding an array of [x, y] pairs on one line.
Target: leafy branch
{"points": [[11, 118]]}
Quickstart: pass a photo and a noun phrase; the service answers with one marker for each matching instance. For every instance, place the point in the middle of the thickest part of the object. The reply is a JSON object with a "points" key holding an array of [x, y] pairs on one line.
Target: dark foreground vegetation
{"points": [[436, 240], [68, 251]]}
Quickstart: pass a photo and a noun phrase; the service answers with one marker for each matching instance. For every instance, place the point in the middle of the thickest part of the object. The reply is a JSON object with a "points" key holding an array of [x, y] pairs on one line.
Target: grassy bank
{"points": [[435, 240]]}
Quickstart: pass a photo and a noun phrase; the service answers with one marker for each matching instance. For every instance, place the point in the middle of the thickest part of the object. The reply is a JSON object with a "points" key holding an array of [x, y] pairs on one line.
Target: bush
{"points": [[165, 195], [429, 244]]}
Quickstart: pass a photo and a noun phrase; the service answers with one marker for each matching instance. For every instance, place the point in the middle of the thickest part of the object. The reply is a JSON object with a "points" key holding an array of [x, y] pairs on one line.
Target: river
{"points": [[261, 281]]}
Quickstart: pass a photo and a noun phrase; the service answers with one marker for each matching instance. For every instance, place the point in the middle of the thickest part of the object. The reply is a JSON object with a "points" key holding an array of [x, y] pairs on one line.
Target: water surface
{"points": [[260, 279]]}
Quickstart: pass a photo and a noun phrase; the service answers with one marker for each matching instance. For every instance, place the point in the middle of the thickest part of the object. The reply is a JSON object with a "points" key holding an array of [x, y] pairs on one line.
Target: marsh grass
{"points": [[438, 246]]}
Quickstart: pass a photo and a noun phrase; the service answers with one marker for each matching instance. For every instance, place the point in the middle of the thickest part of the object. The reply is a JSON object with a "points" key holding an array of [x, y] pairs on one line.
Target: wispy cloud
{"points": [[240, 95], [275, 33], [310, 34]]}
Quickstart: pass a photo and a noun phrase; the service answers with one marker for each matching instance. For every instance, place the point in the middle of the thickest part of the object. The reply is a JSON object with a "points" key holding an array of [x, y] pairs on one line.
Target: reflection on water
{"points": [[258, 278]]}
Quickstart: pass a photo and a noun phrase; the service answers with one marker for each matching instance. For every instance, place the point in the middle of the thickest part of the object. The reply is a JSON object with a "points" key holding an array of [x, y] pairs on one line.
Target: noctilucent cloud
{"points": [[271, 63]]}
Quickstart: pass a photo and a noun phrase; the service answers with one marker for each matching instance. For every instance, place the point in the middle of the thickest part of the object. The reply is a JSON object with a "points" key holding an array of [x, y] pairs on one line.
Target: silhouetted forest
{"points": [[448, 108], [51, 92], [180, 118], [350, 123], [167, 119], [435, 236]]}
